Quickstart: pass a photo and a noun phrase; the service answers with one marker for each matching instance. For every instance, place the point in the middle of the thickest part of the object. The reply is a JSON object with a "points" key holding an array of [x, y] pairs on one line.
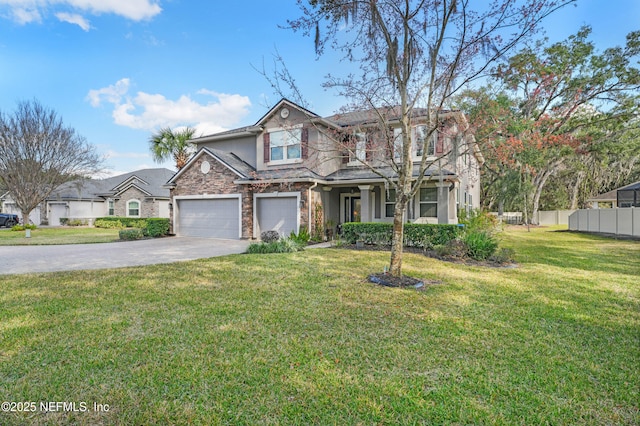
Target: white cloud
{"points": [[25, 16], [72, 11], [113, 93], [152, 111], [74, 18], [136, 10]]}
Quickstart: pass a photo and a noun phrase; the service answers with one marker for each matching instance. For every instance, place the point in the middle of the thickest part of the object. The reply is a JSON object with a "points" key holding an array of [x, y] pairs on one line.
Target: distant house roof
{"points": [[613, 194], [149, 181]]}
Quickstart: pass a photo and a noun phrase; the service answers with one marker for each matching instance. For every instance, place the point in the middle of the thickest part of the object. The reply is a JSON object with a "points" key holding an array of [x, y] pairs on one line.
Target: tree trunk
{"points": [[25, 216], [539, 182], [576, 190], [397, 243]]}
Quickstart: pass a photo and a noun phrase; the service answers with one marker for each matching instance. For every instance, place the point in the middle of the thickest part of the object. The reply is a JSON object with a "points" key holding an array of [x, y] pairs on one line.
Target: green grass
{"points": [[66, 235], [301, 338]]}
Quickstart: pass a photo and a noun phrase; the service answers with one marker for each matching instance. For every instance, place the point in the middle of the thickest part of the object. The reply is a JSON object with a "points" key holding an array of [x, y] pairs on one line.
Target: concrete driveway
{"points": [[28, 259]]}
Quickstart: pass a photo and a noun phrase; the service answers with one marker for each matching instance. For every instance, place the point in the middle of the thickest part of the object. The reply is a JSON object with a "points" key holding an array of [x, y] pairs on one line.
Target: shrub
{"points": [[156, 227], [481, 245], [23, 227], [415, 234], [302, 237], [76, 222], [131, 234], [283, 245], [108, 224], [127, 222], [269, 236], [478, 220]]}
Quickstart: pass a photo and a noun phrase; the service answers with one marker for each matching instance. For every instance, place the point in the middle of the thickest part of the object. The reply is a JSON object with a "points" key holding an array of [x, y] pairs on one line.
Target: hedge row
{"points": [[415, 235], [150, 227]]}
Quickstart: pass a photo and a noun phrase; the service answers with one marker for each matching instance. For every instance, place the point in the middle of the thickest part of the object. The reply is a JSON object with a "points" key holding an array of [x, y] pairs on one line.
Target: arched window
{"points": [[133, 208]]}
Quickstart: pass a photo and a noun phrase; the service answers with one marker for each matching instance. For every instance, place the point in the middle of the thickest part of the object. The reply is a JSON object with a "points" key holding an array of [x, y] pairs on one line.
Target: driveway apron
{"points": [[32, 259]]}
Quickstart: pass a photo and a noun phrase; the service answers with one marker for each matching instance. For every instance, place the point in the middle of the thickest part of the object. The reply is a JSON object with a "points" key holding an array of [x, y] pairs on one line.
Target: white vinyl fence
{"points": [[553, 217], [622, 221]]}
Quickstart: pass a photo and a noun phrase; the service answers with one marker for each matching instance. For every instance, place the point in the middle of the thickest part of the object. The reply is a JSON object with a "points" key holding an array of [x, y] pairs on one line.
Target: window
{"points": [[285, 145], [428, 202], [419, 136], [390, 203], [111, 208], [360, 148], [397, 143], [133, 208]]}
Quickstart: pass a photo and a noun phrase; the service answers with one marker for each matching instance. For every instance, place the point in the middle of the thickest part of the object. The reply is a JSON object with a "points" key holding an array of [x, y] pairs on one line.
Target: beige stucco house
{"points": [[294, 168]]}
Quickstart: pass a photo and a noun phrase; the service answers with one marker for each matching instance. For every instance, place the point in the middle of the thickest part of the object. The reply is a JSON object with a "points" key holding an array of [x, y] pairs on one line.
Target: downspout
{"points": [[315, 184]]}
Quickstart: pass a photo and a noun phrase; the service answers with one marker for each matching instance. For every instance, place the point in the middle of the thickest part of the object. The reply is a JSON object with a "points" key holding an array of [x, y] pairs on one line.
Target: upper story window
{"points": [[133, 208], [420, 134], [359, 154], [397, 143], [284, 145]]}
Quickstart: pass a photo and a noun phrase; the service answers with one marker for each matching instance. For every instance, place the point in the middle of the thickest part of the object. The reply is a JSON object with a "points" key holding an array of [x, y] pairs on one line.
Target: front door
{"points": [[352, 209]]}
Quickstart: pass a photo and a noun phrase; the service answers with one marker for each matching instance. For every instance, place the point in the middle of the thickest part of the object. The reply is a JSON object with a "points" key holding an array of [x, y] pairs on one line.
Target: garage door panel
{"points": [[210, 218], [278, 213]]}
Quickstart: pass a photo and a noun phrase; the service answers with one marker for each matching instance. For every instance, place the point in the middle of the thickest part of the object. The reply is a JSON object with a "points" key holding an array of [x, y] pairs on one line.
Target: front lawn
{"points": [[64, 235], [301, 338]]}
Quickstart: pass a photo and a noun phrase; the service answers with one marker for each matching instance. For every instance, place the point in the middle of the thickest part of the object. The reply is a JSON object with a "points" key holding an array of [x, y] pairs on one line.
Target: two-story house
{"points": [[294, 168]]}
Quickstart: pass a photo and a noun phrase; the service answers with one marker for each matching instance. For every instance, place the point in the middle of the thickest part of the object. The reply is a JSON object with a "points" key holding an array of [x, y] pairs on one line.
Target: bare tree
{"points": [[38, 153], [414, 54]]}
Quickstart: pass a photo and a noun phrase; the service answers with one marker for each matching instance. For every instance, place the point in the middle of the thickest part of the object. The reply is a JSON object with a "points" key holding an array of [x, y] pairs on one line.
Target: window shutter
{"points": [[267, 143], [304, 142], [368, 151]]}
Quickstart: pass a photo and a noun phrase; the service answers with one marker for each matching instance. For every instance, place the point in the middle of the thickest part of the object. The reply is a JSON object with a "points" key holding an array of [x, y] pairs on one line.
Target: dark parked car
{"points": [[8, 220]]}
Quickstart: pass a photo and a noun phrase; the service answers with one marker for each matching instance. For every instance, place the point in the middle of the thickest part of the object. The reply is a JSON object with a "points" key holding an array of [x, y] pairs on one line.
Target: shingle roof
{"points": [[613, 194], [364, 173], [233, 161], [151, 180]]}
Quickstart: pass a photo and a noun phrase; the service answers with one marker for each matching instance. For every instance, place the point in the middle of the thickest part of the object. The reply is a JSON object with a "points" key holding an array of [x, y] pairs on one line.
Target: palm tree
{"points": [[167, 143]]}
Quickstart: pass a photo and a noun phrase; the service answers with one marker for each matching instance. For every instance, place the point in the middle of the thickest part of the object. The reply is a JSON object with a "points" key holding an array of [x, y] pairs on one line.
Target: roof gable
{"points": [[231, 161], [285, 103]]}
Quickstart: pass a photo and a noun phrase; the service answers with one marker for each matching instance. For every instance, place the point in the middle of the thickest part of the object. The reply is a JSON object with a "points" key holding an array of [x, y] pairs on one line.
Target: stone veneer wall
{"points": [[148, 207], [220, 180]]}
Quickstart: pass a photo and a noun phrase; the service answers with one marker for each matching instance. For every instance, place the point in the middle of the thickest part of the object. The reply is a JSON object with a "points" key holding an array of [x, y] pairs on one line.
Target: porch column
{"points": [[365, 202], [443, 202]]}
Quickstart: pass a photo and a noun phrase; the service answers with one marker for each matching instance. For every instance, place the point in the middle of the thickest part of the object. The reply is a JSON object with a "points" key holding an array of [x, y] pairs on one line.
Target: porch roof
{"points": [[363, 173]]}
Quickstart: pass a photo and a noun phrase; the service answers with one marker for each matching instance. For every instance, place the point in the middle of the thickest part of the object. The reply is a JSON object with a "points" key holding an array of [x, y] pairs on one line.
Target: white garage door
{"points": [[279, 214], [209, 218], [57, 211]]}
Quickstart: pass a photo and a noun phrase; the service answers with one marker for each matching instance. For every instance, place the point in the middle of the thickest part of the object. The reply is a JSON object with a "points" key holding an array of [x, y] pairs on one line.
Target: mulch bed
{"points": [[388, 280]]}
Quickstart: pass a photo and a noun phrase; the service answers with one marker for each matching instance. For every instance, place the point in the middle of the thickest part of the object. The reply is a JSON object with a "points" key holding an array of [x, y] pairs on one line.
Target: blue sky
{"points": [[116, 70]]}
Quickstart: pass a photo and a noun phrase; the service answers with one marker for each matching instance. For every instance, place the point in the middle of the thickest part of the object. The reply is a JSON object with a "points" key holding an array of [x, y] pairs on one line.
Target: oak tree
{"points": [[409, 55]]}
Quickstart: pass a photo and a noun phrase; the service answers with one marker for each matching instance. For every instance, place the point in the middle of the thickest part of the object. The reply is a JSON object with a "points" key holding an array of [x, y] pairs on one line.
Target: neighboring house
{"points": [[287, 171], [135, 194], [626, 196]]}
